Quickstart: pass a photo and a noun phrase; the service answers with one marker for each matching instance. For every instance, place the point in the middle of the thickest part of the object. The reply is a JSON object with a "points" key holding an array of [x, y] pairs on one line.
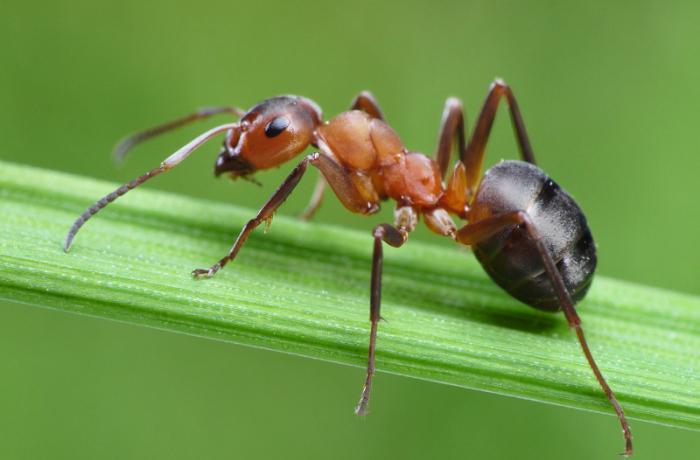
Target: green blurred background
{"points": [[610, 95]]}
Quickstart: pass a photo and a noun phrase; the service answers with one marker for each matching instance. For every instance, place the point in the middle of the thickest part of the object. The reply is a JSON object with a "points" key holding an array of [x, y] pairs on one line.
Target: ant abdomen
{"points": [[510, 257]]}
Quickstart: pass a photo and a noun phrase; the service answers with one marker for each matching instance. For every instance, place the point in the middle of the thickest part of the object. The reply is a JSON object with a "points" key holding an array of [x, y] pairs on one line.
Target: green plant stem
{"points": [[303, 289]]}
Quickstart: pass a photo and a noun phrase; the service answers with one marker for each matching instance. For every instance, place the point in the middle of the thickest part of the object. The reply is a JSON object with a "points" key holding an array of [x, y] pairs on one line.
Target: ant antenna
{"points": [[126, 144], [167, 164]]}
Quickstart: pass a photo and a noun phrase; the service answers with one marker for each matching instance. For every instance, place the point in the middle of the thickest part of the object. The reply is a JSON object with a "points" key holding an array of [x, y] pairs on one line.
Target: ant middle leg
{"points": [[366, 102], [474, 155], [451, 134], [393, 235], [332, 172]]}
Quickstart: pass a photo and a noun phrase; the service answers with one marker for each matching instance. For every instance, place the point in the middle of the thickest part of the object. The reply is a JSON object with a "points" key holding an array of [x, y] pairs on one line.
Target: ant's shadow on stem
{"points": [[526, 321], [499, 310]]}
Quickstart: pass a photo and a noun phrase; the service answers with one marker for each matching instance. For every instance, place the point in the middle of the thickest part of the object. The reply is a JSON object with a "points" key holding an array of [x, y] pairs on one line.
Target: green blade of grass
{"points": [[303, 289]]}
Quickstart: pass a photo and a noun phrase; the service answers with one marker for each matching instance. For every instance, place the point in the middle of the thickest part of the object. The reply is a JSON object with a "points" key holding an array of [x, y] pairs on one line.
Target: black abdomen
{"points": [[510, 257]]}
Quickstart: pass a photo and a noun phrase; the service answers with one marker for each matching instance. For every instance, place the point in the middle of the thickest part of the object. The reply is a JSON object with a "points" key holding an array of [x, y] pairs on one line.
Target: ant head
{"points": [[268, 135]]}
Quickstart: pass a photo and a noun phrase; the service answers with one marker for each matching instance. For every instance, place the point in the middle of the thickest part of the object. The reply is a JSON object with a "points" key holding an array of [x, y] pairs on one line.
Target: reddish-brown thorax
{"points": [[382, 167]]}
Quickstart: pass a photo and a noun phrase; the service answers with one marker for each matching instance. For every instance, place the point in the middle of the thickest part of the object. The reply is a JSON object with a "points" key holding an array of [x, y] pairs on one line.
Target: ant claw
{"points": [[305, 215], [206, 273]]}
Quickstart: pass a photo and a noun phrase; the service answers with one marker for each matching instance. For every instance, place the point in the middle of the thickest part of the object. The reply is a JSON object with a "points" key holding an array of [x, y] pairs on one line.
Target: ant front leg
{"points": [[474, 155], [331, 171], [395, 236], [366, 102], [264, 215], [473, 233], [316, 199]]}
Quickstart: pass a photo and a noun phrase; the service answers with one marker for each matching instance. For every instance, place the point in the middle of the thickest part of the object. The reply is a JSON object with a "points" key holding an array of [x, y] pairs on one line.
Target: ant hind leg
{"points": [[474, 155], [473, 233]]}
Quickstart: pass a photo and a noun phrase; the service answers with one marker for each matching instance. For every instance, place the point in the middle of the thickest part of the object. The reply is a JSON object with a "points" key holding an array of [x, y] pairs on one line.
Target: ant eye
{"points": [[276, 126]]}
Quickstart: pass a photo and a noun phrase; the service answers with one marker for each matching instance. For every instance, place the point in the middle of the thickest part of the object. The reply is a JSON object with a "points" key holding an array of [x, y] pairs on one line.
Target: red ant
{"points": [[529, 234]]}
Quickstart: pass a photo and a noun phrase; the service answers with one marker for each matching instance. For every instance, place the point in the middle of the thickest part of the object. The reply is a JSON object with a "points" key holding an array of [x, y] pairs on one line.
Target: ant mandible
{"points": [[529, 234]]}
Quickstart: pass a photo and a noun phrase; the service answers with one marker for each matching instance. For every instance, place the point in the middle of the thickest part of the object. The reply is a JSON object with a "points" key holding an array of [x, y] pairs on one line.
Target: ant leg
{"points": [[394, 236], [366, 102], [264, 215], [129, 142], [478, 231], [474, 155], [336, 176], [575, 322], [451, 127], [315, 201], [166, 165]]}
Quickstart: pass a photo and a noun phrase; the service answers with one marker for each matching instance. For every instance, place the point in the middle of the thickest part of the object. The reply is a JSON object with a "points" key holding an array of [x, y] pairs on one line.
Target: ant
{"points": [[529, 234]]}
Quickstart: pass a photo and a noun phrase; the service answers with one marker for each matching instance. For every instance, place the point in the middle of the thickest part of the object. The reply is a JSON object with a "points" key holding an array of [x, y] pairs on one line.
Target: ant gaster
{"points": [[528, 234]]}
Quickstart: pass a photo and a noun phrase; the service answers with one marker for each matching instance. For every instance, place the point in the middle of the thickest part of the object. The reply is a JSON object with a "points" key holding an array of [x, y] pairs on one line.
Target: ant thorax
{"points": [[377, 159]]}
